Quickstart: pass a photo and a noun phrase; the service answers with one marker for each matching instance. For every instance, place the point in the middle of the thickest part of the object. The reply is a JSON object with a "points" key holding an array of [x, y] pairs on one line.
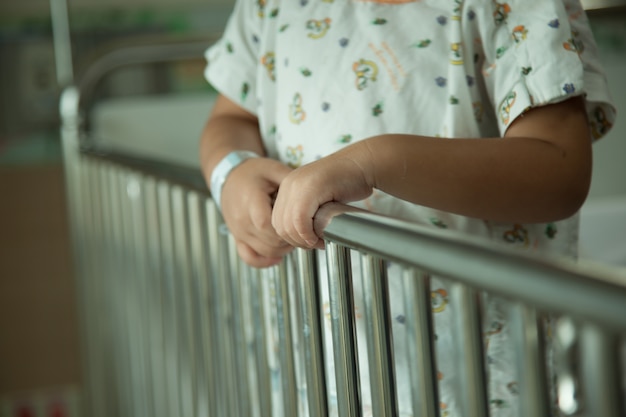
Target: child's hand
{"points": [[247, 198], [342, 177]]}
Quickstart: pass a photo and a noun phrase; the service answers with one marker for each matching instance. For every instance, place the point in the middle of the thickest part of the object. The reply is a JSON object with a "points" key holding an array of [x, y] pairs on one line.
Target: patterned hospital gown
{"points": [[322, 74]]}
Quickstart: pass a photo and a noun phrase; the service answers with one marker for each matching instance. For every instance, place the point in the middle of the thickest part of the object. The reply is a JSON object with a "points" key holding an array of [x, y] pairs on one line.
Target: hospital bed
{"points": [[174, 324]]}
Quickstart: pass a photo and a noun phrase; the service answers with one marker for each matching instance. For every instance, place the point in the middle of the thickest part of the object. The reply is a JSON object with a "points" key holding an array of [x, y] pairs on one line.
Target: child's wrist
{"points": [[224, 168]]}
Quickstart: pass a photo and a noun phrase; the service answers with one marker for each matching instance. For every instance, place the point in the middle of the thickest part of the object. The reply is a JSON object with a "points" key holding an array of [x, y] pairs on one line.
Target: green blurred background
{"points": [[39, 344]]}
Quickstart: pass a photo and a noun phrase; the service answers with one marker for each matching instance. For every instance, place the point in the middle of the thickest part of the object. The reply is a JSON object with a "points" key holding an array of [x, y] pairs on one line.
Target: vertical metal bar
{"points": [[237, 283], [565, 356], [227, 323], [111, 340], [92, 278], [530, 345], [420, 343], [249, 274], [343, 330], [62, 42], [118, 299], [257, 300], [170, 325], [220, 311], [152, 240], [202, 326], [601, 372], [130, 300], [309, 292], [182, 290], [473, 391], [74, 170], [268, 285], [138, 272], [297, 324], [286, 353], [379, 338]]}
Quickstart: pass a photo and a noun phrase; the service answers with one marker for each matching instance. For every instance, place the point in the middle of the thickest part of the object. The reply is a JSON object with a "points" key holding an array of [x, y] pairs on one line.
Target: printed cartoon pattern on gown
{"points": [[377, 69]]}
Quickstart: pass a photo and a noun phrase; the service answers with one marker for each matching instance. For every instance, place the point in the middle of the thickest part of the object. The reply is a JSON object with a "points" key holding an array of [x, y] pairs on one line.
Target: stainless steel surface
{"points": [[170, 322], [312, 332], [264, 391], [240, 343], [154, 293], [581, 289], [379, 337], [528, 331], [285, 341], [182, 295], [118, 294], [62, 42], [201, 299], [469, 351], [136, 283], [601, 372], [174, 324], [343, 330], [419, 343], [218, 267]]}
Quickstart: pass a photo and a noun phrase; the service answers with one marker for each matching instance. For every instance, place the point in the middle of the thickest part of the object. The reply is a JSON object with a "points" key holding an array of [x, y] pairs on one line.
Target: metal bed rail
{"points": [[175, 324]]}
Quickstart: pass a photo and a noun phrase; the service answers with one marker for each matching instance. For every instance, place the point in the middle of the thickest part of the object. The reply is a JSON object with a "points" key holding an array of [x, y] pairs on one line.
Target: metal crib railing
{"points": [[176, 325]]}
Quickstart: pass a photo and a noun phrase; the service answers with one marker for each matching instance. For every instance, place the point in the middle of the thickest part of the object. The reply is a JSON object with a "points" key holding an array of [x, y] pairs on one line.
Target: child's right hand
{"points": [[247, 199]]}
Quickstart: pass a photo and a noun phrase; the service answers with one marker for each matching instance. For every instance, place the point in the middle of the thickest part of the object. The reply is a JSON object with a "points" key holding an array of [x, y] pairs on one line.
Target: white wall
{"points": [[609, 172]]}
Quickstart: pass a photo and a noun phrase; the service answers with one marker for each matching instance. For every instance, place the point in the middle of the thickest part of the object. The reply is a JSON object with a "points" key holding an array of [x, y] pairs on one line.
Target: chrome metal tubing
{"points": [[601, 372], [154, 290], [343, 330], [182, 293], [226, 334], [201, 299], [107, 295], [379, 337], [528, 333], [583, 290], [94, 302], [170, 322], [286, 352], [262, 369], [237, 283], [218, 268], [420, 344], [469, 351], [127, 377], [312, 332], [137, 281], [167, 305]]}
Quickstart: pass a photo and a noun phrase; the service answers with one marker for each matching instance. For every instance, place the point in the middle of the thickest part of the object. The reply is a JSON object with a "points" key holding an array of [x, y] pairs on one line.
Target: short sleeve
{"points": [[232, 61], [539, 52]]}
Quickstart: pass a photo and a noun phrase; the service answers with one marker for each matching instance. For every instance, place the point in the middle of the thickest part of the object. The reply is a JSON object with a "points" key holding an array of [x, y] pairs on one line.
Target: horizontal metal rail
{"points": [[581, 288], [175, 323]]}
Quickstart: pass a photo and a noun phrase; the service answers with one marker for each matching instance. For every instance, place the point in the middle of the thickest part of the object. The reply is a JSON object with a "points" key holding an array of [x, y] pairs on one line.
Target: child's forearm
{"points": [[540, 172], [229, 128], [520, 179]]}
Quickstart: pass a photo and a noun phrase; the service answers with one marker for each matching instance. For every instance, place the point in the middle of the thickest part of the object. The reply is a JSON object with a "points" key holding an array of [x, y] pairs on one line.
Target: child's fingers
{"points": [[253, 258], [292, 217]]}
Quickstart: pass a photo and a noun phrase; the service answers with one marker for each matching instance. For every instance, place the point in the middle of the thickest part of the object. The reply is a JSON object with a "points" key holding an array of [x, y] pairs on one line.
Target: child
{"points": [[472, 115]]}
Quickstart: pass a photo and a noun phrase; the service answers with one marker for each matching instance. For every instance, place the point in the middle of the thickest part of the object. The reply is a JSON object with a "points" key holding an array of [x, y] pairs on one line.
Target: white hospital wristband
{"points": [[223, 168]]}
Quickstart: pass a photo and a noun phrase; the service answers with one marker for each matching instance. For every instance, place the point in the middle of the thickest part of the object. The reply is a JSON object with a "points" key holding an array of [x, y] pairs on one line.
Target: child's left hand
{"points": [[343, 177]]}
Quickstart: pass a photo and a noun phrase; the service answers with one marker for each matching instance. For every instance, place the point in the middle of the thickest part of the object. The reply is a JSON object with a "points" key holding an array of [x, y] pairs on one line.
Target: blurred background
{"points": [[40, 361], [40, 364]]}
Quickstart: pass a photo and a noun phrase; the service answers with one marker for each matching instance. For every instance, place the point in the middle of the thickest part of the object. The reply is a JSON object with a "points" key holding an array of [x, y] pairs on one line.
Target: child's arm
{"points": [[540, 171], [248, 191]]}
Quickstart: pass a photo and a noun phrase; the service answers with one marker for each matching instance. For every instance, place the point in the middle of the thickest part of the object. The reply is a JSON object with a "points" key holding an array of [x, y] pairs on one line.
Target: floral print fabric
{"points": [[322, 74]]}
